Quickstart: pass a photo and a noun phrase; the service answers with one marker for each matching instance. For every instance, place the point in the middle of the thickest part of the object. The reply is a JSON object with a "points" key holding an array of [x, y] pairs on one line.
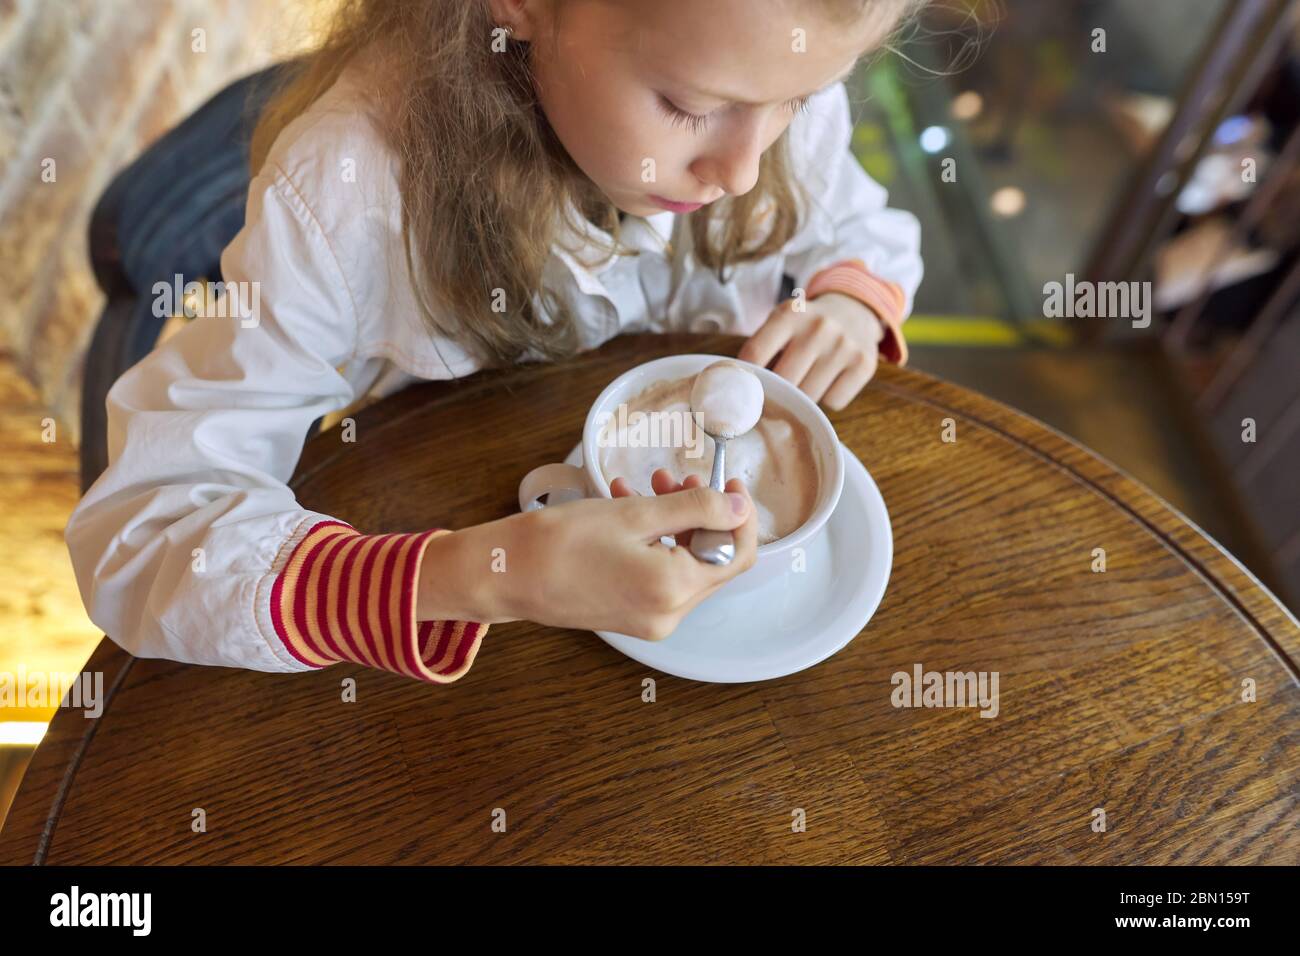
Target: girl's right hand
{"points": [[598, 565]]}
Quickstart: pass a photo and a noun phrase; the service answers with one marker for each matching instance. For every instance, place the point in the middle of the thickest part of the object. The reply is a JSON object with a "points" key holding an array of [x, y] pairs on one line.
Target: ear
{"points": [[524, 17]]}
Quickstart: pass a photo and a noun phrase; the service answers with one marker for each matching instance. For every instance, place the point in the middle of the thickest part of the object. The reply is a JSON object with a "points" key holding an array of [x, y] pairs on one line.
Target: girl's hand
{"points": [[829, 351], [592, 564], [663, 483]]}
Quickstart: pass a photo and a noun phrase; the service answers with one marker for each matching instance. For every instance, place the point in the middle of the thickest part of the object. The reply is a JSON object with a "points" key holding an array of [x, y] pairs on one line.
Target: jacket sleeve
{"points": [[850, 241], [191, 546]]}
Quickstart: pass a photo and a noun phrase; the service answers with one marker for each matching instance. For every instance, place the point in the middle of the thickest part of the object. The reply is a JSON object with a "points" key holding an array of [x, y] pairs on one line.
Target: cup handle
{"points": [[558, 482]]}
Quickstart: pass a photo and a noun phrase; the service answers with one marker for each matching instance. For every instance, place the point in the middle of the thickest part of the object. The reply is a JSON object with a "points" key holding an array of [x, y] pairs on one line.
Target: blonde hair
{"points": [[485, 181]]}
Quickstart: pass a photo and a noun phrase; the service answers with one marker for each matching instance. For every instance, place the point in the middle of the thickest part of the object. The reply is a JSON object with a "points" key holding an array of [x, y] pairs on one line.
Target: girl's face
{"points": [[669, 104]]}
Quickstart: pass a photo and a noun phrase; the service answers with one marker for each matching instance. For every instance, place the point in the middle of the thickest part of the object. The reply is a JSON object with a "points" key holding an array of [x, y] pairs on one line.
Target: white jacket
{"points": [[178, 546]]}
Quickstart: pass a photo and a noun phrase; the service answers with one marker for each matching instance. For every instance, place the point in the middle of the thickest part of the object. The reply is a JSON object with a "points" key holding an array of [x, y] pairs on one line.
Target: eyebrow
{"points": [[727, 99]]}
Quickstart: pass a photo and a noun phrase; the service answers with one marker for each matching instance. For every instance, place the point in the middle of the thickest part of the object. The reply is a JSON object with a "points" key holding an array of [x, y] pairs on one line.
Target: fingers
{"points": [[747, 534], [746, 541], [819, 336], [824, 372], [780, 326], [687, 509], [694, 580], [664, 484], [850, 381]]}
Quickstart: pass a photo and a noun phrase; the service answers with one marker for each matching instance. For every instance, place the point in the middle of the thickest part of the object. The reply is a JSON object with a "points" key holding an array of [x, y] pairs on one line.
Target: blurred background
{"points": [[1090, 141], [1076, 141]]}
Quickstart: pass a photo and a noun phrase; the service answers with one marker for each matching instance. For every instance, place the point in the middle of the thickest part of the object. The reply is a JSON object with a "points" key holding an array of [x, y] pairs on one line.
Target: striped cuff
{"points": [[852, 278], [347, 596]]}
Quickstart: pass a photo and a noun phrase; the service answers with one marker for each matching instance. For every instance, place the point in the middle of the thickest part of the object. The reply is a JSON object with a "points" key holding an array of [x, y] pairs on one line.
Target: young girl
{"points": [[449, 185]]}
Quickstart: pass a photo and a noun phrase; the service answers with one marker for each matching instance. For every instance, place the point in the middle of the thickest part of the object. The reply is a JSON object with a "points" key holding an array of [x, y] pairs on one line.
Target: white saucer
{"points": [[798, 620]]}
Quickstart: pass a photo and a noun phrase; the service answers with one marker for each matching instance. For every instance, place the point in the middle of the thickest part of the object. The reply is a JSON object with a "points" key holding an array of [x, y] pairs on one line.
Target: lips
{"points": [[673, 206]]}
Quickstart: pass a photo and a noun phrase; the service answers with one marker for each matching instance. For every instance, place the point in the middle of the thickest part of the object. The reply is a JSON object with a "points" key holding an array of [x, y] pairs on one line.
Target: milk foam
{"points": [[775, 459]]}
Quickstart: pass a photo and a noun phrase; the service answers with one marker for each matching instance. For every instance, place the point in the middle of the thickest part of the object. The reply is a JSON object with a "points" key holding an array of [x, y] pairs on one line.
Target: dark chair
{"points": [[171, 212]]}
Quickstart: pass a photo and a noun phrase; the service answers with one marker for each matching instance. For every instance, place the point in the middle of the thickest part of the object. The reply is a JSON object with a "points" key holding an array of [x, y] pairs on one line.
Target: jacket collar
{"points": [[647, 234]]}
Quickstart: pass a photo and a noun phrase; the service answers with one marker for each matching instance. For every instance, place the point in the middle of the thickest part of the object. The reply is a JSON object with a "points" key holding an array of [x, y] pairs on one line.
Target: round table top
{"points": [[1148, 713]]}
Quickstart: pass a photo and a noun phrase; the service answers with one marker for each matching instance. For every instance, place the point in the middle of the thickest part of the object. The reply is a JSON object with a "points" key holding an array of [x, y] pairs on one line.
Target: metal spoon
{"points": [[715, 547], [734, 397]]}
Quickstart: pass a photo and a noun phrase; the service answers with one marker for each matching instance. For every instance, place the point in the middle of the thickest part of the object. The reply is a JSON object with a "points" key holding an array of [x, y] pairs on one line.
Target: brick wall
{"points": [[85, 85]]}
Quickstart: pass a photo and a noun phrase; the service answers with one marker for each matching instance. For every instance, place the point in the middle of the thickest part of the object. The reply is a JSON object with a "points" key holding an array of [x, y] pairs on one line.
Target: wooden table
{"points": [[1119, 691]]}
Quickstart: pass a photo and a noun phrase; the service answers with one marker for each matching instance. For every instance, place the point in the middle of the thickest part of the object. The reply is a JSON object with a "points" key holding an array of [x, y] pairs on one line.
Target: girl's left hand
{"points": [[829, 351]]}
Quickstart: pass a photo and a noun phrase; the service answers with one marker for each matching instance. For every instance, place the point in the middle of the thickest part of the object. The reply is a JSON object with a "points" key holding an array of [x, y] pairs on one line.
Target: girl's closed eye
{"points": [[698, 122]]}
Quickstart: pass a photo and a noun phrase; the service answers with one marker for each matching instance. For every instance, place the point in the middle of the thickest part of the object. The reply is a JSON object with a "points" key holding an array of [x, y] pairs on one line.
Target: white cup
{"points": [[561, 482]]}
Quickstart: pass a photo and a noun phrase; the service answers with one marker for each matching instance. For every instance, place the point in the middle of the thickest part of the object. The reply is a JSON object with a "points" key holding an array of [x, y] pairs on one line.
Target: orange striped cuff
{"points": [[347, 596], [852, 277]]}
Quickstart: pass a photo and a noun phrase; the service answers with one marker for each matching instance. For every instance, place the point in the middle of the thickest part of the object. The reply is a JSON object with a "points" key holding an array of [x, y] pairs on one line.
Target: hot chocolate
{"points": [[775, 459]]}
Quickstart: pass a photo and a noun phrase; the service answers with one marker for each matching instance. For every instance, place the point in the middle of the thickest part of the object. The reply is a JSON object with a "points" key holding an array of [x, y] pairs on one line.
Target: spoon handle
{"points": [[715, 547]]}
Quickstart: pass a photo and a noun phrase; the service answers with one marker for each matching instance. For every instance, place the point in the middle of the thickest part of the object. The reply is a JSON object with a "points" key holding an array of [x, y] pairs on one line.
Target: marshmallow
{"points": [[728, 398]]}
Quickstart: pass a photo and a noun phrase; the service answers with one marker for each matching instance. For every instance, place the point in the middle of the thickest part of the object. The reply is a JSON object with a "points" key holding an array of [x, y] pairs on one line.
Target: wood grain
{"points": [[1118, 690]]}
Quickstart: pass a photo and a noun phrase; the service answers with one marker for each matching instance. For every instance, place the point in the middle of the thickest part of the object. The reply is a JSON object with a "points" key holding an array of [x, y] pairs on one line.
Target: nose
{"points": [[732, 162]]}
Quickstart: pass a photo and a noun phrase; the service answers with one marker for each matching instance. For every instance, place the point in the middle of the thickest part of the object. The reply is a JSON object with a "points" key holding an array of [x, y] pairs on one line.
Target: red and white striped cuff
{"points": [[852, 277], [347, 596]]}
